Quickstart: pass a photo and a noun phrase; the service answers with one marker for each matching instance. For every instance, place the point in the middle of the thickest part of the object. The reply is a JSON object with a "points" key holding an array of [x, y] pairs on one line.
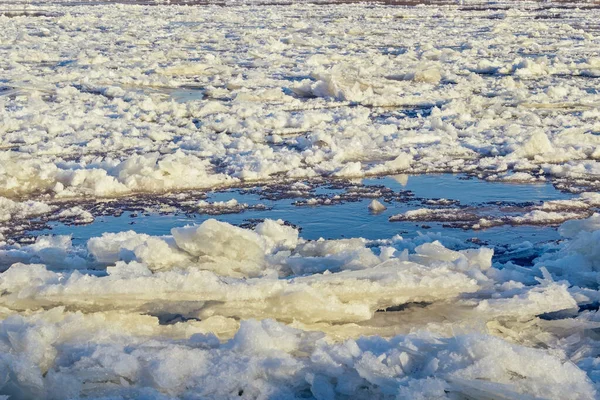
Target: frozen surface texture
{"points": [[219, 311], [108, 100], [114, 99]]}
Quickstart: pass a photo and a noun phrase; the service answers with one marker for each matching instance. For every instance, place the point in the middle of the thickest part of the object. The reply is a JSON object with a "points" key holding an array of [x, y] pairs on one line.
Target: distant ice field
{"points": [[299, 200]]}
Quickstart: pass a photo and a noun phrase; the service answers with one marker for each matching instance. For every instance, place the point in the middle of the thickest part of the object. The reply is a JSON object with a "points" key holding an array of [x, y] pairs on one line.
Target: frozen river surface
{"points": [[299, 200]]}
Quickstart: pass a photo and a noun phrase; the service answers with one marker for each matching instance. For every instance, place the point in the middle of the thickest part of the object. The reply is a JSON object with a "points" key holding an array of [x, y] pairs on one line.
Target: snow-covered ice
{"points": [[106, 107]]}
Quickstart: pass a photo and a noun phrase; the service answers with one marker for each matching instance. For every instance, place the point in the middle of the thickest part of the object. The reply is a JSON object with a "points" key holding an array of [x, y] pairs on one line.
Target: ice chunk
{"points": [[219, 239], [350, 170], [76, 214], [376, 206], [570, 229], [283, 236], [547, 298], [111, 247], [537, 217], [427, 74], [10, 209], [538, 144]]}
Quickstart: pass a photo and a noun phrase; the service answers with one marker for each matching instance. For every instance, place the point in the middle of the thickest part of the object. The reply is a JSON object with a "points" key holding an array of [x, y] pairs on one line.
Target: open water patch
{"points": [[340, 209]]}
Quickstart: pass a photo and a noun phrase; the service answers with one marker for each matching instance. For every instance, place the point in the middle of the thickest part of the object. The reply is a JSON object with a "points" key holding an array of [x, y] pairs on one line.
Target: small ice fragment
{"points": [[376, 206]]}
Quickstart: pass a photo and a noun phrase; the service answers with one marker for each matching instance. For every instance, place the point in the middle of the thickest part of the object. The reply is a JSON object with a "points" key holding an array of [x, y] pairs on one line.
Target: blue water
{"points": [[353, 219], [472, 191]]}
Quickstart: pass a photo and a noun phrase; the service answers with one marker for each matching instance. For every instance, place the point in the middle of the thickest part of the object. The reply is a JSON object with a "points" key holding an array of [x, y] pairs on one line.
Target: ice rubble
{"points": [[553, 212], [319, 98], [583, 250], [339, 91], [223, 207], [10, 209], [57, 353], [202, 280], [323, 281]]}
